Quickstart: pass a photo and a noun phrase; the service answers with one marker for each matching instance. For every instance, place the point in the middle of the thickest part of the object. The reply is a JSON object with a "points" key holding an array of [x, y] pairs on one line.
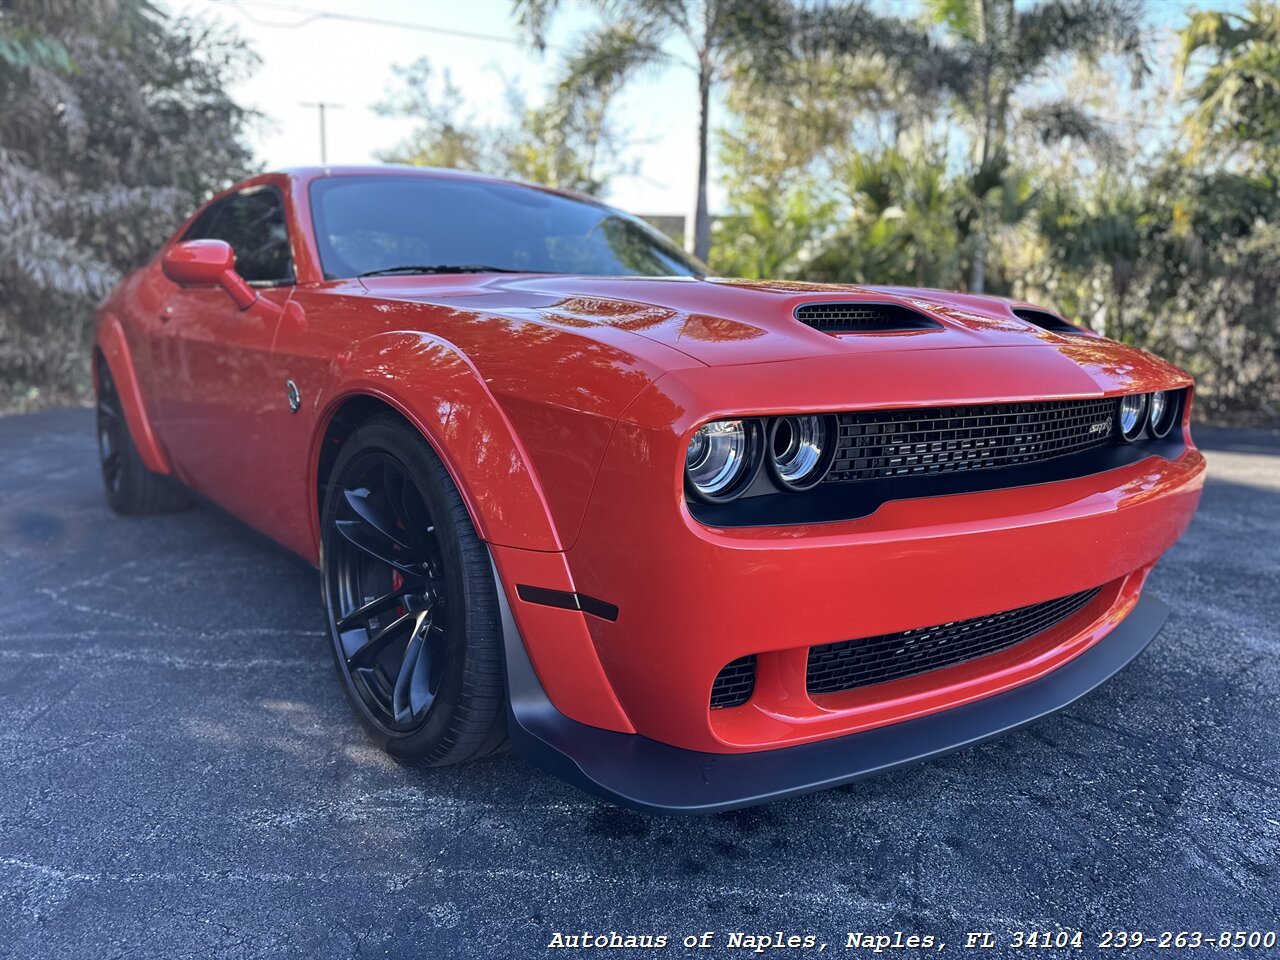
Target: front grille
{"points": [[875, 444], [857, 317], [734, 684], [850, 664]]}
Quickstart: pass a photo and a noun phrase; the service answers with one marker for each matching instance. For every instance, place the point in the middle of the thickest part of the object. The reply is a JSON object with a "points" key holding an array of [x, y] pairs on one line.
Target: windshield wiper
{"points": [[443, 268]]}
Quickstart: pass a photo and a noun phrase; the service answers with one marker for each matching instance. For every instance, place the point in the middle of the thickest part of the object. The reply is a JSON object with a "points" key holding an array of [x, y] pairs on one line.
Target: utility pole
{"points": [[322, 106]]}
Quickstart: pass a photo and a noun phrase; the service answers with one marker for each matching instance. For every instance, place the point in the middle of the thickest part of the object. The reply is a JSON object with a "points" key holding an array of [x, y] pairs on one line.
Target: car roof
{"points": [[309, 173]]}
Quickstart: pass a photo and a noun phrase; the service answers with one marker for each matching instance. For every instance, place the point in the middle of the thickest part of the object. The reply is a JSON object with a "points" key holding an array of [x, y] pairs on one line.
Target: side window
{"points": [[253, 223], [201, 228]]}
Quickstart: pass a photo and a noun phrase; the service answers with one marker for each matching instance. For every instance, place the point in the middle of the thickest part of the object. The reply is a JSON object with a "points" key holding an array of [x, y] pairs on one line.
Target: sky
{"points": [[310, 53], [350, 63]]}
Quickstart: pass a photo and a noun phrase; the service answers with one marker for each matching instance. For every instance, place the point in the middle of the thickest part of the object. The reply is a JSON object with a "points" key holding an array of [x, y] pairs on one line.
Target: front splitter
{"points": [[654, 777]]}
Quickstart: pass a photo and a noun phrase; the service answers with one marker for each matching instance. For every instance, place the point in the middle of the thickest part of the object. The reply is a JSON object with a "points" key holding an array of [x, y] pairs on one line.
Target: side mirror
{"points": [[205, 263], [199, 262]]}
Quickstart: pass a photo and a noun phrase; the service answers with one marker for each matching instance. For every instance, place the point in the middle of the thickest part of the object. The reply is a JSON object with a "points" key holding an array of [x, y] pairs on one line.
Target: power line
{"points": [[311, 16], [1135, 123]]}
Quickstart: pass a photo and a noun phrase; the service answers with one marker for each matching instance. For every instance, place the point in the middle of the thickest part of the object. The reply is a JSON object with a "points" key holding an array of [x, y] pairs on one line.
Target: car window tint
{"points": [[373, 223], [253, 224], [202, 226]]}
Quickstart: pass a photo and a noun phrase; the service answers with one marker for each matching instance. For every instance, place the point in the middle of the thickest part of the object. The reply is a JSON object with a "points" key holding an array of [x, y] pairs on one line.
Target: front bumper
{"points": [[688, 597], [638, 772], [692, 598]]}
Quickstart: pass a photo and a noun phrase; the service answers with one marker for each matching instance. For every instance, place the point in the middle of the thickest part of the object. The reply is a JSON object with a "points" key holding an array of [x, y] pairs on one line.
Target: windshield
{"points": [[432, 224]]}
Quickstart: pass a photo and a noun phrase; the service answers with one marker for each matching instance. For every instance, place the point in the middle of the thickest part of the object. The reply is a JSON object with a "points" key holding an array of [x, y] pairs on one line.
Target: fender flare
{"points": [[433, 385], [114, 346]]}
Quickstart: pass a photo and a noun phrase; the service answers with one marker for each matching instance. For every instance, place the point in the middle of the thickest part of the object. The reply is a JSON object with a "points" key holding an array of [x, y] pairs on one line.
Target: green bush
{"points": [[115, 123]]}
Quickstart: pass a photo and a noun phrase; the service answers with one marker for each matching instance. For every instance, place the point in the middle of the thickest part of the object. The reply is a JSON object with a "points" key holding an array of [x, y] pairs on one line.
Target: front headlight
{"points": [[799, 450], [1133, 415], [1164, 411], [721, 457]]}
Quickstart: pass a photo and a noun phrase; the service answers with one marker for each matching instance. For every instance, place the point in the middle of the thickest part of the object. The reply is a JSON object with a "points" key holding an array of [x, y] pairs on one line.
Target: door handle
{"points": [[166, 314]]}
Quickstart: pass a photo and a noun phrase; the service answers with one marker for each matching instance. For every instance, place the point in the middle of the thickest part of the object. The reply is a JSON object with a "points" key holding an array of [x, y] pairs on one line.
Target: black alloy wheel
{"points": [[411, 600], [390, 588]]}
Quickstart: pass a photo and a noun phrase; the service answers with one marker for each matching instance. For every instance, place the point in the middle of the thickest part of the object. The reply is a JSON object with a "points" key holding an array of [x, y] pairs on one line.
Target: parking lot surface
{"points": [[181, 777]]}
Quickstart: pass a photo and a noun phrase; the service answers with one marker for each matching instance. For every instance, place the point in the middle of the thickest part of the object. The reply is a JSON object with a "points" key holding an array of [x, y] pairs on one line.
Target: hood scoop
{"points": [[1047, 321], [856, 316]]}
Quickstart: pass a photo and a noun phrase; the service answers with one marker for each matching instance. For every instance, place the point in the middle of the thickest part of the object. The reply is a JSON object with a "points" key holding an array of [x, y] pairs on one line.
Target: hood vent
{"points": [[857, 317], [1046, 321]]}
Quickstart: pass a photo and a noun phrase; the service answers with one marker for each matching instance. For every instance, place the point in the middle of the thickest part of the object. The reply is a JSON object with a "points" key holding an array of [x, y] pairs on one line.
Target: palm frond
{"points": [[21, 49], [757, 35], [610, 54], [1207, 29], [1084, 28], [660, 16], [1237, 94], [962, 18], [1065, 120], [533, 17]]}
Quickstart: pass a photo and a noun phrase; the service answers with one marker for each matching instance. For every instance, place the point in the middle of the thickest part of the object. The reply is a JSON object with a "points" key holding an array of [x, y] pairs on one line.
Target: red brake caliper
{"points": [[397, 581]]}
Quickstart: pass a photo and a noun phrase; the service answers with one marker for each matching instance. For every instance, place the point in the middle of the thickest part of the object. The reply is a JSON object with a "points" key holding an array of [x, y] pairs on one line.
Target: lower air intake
{"points": [[850, 664], [734, 684]]}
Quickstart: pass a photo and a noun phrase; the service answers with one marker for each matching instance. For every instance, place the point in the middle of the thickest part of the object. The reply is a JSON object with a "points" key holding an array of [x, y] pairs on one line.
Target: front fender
{"points": [[434, 386], [113, 344]]}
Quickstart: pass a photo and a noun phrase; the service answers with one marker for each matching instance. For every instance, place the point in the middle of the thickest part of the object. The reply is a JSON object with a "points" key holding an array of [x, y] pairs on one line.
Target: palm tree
{"points": [[1237, 96], [1103, 232], [639, 35], [993, 49]]}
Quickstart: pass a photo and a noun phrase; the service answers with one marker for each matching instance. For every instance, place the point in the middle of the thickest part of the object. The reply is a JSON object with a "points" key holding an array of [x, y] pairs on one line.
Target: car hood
{"points": [[720, 322]]}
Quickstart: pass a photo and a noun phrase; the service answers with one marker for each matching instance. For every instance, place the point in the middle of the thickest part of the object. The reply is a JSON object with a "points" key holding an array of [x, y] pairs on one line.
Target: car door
{"points": [[219, 407]]}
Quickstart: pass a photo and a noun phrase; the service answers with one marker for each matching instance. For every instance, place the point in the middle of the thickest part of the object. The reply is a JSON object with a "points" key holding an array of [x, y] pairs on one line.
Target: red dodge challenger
{"points": [[689, 543]]}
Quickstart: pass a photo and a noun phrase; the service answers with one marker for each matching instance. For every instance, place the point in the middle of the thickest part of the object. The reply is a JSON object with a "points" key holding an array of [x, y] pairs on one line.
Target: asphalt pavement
{"points": [[181, 777]]}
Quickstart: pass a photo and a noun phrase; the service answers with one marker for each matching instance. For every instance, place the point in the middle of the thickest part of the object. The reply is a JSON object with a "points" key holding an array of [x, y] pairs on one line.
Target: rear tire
{"points": [[411, 599], [131, 488]]}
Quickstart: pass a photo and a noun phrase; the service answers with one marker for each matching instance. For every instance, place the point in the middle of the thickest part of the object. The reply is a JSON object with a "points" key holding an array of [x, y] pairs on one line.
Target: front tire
{"points": [[131, 488], [413, 610]]}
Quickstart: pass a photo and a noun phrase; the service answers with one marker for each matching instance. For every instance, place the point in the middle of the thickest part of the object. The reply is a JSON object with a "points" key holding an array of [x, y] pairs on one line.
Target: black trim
{"points": [[1048, 321], [1173, 414], [567, 601], [829, 502], [924, 441], [867, 661], [879, 316], [654, 777], [734, 684]]}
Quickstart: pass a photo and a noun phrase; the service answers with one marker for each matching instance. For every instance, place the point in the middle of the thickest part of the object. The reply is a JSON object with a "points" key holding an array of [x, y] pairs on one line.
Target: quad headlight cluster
{"points": [[1150, 413], [726, 456]]}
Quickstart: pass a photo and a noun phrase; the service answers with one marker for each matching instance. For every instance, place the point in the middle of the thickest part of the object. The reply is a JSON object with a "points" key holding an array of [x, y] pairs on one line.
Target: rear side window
{"points": [[253, 224]]}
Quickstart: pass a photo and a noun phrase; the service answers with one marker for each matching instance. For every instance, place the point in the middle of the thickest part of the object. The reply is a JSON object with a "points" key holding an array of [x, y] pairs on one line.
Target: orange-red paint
{"points": [[562, 407]]}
